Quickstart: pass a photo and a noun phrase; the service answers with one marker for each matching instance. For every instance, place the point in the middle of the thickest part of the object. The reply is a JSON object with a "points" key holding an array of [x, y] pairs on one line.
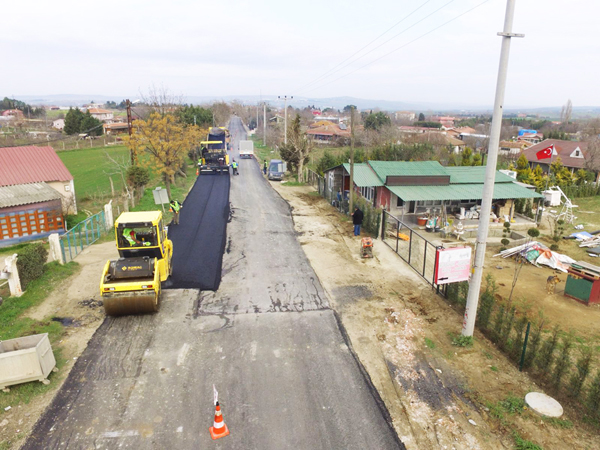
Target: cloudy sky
{"points": [[303, 48]]}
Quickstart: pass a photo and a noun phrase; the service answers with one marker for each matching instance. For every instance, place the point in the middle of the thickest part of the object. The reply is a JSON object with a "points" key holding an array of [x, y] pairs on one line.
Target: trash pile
{"points": [[537, 253], [590, 240]]}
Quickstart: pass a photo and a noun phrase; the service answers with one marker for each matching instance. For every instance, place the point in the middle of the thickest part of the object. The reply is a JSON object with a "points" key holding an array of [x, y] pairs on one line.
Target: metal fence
{"points": [[335, 199], [412, 247], [82, 235]]}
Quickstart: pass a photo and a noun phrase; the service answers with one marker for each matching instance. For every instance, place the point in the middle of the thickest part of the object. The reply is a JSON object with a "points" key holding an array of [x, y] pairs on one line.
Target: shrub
{"points": [[563, 363], [593, 399], [30, 263], [534, 345], [533, 233], [462, 341], [487, 302], [546, 356], [583, 369]]}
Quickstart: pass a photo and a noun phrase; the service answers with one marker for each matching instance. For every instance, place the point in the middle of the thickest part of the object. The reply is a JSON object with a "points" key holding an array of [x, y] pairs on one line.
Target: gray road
{"points": [[267, 339]]}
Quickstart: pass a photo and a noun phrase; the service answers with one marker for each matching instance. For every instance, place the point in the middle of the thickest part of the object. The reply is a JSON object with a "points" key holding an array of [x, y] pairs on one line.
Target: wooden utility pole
{"points": [[351, 206], [265, 124], [132, 154]]}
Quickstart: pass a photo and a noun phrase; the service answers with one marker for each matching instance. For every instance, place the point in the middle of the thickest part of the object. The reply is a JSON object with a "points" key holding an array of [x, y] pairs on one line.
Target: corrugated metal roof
{"points": [[473, 174], [25, 194], [21, 165], [363, 175], [461, 192], [383, 169]]}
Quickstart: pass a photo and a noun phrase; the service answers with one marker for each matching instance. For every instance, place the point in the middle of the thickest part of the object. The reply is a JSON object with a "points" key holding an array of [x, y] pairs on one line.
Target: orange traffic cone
{"points": [[219, 429], [197, 172]]}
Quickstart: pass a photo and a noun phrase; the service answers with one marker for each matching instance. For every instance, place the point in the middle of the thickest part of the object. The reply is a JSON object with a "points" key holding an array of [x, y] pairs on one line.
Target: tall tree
{"points": [[166, 141], [297, 150], [73, 121], [90, 125], [377, 121], [421, 117]]}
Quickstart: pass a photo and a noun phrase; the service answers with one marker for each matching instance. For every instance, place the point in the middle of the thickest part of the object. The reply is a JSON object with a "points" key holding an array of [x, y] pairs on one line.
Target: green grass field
{"points": [[90, 168]]}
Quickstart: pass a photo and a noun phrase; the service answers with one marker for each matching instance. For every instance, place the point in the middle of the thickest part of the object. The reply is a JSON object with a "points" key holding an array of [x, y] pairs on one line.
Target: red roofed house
{"points": [[103, 115], [35, 190], [572, 154], [328, 132]]}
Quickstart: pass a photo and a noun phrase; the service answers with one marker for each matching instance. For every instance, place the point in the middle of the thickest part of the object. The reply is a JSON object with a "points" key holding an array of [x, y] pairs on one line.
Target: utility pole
{"points": [[351, 205], [265, 124], [285, 99], [132, 155], [256, 128], [490, 174]]}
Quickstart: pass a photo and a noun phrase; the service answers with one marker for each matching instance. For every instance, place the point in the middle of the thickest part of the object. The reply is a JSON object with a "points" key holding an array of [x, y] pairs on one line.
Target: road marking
{"points": [[182, 354], [253, 348], [117, 434]]}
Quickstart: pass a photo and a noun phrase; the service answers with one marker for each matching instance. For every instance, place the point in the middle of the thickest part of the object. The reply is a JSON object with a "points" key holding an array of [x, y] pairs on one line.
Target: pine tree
{"points": [[73, 121]]}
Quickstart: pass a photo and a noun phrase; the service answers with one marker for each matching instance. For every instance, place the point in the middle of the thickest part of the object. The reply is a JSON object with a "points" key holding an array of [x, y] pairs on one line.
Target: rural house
{"points": [[25, 165], [416, 187], [573, 155]]}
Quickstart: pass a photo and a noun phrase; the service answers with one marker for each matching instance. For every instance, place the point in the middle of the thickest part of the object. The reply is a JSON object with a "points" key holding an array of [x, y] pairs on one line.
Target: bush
{"points": [[30, 263]]}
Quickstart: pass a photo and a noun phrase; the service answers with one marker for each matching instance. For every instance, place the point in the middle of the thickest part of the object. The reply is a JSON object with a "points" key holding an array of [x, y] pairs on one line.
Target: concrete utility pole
{"points": [[265, 124], [490, 175], [285, 99], [351, 205]]}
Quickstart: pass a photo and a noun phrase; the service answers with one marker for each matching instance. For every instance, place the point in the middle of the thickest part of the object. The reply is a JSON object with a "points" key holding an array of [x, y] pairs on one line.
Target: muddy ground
{"points": [[402, 332]]}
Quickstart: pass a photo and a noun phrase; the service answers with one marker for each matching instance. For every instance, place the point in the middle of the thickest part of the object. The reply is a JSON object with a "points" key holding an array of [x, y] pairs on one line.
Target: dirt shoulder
{"points": [[75, 301], [437, 394]]}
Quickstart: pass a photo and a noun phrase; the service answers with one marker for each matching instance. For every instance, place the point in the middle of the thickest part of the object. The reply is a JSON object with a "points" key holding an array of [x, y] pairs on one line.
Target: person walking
{"points": [[265, 167], [357, 218], [175, 207], [234, 166]]}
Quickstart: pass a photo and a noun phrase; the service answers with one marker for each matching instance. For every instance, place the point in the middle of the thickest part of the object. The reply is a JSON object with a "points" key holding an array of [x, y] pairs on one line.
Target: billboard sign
{"points": [[452, 265]]}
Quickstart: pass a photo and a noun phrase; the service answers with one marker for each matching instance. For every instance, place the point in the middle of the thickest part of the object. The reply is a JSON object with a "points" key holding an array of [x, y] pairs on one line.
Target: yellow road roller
{"points": [[131, 284]]}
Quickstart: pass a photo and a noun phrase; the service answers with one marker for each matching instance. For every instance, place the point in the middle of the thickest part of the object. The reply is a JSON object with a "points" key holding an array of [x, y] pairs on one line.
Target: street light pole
{"points": [[285, 99], [490, 175], [265, 124]]}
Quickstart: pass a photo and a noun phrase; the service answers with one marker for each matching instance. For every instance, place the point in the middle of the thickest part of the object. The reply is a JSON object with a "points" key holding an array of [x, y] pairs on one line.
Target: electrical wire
{"points": [[360, 50], [401, 47]]}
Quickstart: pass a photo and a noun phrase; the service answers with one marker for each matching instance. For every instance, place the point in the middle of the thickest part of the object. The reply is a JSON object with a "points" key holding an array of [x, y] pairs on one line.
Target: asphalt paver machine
{"points": [[132, 283], [214, 158]]}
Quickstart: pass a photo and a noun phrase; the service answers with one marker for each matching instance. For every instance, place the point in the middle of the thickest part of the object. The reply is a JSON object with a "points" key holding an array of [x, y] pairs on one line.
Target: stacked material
{"points": [[537, 254]]}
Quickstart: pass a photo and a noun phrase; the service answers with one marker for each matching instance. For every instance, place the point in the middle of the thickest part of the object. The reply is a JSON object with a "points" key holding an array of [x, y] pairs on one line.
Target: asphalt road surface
{"points": [[266, 339], [199, 239]]}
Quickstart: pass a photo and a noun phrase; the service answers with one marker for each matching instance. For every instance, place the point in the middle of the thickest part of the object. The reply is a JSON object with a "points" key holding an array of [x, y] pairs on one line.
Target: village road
{"points": [[267, 339]]}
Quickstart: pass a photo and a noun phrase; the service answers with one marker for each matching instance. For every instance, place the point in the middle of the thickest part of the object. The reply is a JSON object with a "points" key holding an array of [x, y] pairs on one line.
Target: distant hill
{"points": [[331, 102]]}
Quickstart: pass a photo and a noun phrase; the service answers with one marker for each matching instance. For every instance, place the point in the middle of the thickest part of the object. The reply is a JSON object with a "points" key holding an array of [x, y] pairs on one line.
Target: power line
{"points": [[402, 46], [360, 50]]}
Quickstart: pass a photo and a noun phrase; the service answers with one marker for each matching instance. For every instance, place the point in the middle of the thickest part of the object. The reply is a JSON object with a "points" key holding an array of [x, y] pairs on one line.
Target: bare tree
{"points": [[161, 99], [119, 166], [221, 112], [565, 112]]}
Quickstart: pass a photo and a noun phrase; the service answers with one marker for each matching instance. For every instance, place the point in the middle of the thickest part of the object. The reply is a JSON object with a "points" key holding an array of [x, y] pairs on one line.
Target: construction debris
{"points": [[537, 253]]}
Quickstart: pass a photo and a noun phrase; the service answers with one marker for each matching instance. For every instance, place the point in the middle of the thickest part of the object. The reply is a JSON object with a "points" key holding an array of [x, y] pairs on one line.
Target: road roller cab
{"points": [[132, 284]]}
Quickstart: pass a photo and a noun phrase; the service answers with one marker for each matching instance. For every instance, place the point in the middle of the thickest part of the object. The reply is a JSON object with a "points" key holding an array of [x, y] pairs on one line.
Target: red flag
{"points": [[545, 152]]}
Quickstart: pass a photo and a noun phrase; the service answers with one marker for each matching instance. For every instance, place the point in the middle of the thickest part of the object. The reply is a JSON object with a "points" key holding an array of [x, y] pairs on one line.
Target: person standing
{"points": [[357, 218], [175, 207], [265, 167]]}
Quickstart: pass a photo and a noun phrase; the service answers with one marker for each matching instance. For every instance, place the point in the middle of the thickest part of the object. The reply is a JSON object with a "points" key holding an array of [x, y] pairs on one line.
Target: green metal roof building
{"points": [[411, 187]]}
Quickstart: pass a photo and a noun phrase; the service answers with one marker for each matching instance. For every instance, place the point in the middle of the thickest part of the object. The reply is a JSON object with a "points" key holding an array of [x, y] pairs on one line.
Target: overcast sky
{"points": [[275, 47]]}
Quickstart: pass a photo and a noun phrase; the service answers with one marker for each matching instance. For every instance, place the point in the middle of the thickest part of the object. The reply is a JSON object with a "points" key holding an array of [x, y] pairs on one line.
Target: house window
{"points": [[399, 202]]}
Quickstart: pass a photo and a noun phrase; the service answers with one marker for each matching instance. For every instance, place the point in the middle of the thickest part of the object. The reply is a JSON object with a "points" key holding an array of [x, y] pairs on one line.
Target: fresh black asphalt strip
{"points": [[199, 239]]}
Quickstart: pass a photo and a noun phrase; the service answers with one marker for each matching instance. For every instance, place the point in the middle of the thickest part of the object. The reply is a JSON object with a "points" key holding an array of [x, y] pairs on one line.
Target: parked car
{"points": [[276, 170]]}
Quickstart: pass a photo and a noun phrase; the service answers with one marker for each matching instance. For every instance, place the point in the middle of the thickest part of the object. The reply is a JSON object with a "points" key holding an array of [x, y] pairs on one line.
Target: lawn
{"points": [[91, 168]]}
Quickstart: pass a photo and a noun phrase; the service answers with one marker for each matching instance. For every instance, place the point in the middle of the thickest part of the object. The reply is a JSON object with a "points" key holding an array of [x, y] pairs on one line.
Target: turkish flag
{"points": [[545, 152]]}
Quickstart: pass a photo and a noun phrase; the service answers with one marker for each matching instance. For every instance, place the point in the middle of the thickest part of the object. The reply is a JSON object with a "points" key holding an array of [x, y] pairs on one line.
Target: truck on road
{"points": [[246, 149]]}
